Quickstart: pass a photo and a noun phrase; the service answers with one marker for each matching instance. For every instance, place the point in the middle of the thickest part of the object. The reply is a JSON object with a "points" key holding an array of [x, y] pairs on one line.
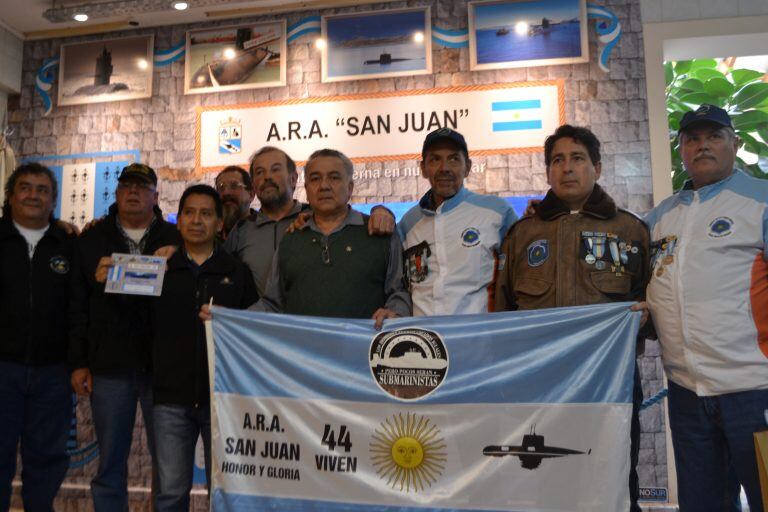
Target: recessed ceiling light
{"points": [[180, 6], [418, 37], [81, 17], [319, 43]]}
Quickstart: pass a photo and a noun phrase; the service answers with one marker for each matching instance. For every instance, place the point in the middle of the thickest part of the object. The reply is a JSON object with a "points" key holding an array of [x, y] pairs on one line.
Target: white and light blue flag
{"points": [[523, 411]]}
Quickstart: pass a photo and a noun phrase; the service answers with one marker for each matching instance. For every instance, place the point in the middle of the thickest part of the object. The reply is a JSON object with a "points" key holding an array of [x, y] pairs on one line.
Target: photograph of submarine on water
{"points": [[231, 58], [373, 45]]}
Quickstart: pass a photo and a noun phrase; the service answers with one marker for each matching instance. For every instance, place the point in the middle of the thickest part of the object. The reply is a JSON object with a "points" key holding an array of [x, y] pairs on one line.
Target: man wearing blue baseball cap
{"points": [[708, 296], [453, 236]]}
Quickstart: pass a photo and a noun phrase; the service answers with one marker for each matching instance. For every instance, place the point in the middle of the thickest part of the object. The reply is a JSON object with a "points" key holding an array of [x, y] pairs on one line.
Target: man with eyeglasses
{"points": [[234, 186], [274, 177], [110, 341], [332, 266]]}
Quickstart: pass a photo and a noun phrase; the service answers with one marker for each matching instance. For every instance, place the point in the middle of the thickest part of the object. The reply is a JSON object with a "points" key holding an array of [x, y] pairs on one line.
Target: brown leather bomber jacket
{"points": [[545, 260]]}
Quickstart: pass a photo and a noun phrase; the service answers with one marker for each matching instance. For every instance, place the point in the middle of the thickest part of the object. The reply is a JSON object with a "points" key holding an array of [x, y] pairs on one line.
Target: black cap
{"points": [[139, 171], [706, 113], [444, 134]]}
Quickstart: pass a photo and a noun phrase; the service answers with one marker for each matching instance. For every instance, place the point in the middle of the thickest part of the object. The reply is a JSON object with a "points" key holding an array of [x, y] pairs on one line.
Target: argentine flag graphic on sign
{"points": [[516, 115]]}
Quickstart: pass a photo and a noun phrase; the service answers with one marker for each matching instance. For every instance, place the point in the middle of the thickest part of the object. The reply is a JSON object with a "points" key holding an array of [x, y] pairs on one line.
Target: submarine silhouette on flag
{"points": [[532, 451]]}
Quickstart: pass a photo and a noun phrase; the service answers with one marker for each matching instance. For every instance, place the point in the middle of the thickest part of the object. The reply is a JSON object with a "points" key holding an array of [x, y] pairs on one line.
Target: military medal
{"points": [[600, 265], [613, 246], [587, 237], [660, 271]]}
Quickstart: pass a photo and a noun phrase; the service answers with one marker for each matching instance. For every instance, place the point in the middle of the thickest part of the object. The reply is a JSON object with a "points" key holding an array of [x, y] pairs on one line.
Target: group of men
{"points": [[699, 260]]}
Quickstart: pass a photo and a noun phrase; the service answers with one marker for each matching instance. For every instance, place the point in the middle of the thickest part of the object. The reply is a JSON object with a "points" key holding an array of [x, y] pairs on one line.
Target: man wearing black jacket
{"points": [[197, 273], [35, 256], [110, 339]]}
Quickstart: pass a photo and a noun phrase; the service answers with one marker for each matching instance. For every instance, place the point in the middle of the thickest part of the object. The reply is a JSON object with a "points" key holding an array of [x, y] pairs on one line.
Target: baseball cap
{"points": [[139, 171], [444, 134], [706, 113]]}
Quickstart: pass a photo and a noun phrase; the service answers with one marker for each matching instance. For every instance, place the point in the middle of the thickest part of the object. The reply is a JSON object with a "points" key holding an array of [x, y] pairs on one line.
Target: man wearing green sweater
{"points": [[331, 266]]}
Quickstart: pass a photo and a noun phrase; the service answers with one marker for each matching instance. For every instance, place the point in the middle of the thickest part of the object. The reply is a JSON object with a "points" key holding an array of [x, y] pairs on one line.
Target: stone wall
{"points": [[162, 129]]}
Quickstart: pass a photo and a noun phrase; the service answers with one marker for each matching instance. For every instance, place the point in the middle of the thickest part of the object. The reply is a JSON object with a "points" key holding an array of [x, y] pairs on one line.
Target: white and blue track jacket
{"points": [[709, 289], [450, 252]]}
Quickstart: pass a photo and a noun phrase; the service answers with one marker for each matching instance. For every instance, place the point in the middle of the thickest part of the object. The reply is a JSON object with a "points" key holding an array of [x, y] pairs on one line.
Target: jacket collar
{"points": [[708, 191], [599, 204]]}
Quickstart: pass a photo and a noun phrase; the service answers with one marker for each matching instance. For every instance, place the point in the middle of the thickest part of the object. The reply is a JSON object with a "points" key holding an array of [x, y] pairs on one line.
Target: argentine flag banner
{"points": [[522, 411]]}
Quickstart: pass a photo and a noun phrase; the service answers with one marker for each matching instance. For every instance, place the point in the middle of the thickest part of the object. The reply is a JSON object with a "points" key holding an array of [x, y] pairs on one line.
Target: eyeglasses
{"points": [[325, 252], [127, 185], [234, 186]]}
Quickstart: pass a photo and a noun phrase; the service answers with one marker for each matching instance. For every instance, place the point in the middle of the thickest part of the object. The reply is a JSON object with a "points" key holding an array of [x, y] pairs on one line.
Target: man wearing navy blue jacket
{"points": [[199, 272]]}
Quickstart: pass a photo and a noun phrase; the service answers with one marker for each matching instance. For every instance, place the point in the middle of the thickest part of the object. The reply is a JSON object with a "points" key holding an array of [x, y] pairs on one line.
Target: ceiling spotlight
{"points": [[230, 53], [142, 64], [418, 37], [180, 6], [320, 43], [81, 17]]}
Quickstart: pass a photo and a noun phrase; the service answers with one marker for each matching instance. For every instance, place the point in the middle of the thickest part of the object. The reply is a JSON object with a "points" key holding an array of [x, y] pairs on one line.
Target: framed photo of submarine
{"points": [[377, 44], [108, 70], [526, 33], [233, 58]]}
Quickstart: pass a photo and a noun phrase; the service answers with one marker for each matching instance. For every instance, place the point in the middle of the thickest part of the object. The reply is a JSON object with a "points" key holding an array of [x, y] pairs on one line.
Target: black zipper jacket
{"points": [[34, 295], [179, 354], [110, 332]]}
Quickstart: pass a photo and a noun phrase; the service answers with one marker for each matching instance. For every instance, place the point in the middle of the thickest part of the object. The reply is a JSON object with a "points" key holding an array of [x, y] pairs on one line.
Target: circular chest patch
{"points": [[720, 227], [470, 237], [59, 264]]}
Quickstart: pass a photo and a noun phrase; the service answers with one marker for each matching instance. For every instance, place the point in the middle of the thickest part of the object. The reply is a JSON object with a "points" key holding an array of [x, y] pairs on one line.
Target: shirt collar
{"points": [[353, 218], [427, 202], [707, 191], [261, 218]]}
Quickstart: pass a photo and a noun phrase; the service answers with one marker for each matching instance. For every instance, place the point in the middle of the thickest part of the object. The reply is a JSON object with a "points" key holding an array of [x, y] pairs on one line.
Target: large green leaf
{"points": [[750, 96], [762, 130], [748, 121], [682, 67], [692, 85], [745, 76], [703, 64], [669, 74], [699, 98], [705, 74], [752, 145], [674, 120], [719, 87]]}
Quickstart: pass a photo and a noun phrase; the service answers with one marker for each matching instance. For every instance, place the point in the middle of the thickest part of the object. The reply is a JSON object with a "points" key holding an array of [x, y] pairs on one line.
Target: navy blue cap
{"points": [[444, 134], [706, 113], [139, 171]]}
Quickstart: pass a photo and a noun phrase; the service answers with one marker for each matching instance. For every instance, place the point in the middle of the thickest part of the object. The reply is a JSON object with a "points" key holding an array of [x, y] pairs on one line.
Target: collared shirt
{"points": [[451, 251], [709, 289], [397, 299], [133, 246], [255, 241]]}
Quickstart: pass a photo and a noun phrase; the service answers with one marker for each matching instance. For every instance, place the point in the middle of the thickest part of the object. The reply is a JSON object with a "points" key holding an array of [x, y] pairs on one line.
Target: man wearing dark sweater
{"points": [[332, 266], [197, 273]]}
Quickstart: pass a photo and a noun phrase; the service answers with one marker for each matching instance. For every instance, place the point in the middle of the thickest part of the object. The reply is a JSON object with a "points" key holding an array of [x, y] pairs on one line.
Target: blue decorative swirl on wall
{"points": [[45, 77], [165, 57], [306, 26], [608, 30], [450, 38]]}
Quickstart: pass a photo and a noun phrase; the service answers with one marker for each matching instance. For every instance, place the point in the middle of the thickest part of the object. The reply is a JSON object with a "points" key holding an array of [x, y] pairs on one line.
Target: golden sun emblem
{"points": [[409, 452]]}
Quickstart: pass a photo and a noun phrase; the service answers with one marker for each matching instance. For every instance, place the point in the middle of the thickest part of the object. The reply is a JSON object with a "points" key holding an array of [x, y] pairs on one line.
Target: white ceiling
{"points": [[25, 17]]}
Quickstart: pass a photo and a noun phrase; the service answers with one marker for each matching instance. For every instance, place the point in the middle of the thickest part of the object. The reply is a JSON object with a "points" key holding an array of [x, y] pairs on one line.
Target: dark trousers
{"points": [[36, 410]]}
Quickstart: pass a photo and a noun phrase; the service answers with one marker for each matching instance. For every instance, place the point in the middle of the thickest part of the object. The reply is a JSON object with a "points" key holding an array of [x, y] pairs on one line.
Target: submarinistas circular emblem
{"points": [[408, 363]]}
